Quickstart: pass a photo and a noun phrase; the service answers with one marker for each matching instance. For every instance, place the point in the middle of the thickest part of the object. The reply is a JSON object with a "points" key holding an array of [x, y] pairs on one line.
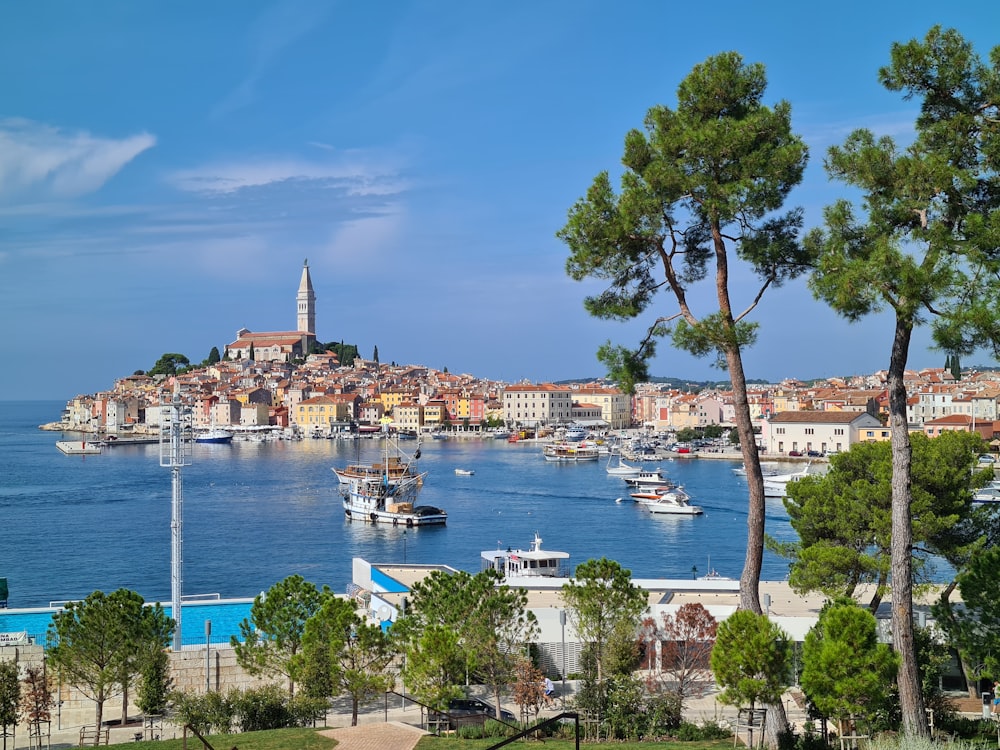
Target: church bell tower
{"points": [[306, 302]]}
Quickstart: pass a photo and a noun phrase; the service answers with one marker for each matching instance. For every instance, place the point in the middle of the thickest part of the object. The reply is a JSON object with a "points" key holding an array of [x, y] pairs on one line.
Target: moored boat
{"points": [[214, 435], [776, 485], [465, 472], [386, 491], [647, 478], [564, 451], [619, 468]]}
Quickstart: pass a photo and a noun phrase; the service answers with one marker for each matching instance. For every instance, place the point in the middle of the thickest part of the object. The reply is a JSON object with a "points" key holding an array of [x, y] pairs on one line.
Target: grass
{"points": [[310, 739], [451, 743], [275, 739]]}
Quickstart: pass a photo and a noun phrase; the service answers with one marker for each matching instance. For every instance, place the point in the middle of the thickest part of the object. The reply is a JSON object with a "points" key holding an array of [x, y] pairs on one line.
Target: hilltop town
{"points": [[276, 381]]}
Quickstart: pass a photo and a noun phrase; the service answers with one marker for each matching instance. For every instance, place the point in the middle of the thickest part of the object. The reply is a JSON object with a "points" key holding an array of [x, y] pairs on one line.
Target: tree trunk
{"points": [[354, 711], [911, 699], [124, 703]]}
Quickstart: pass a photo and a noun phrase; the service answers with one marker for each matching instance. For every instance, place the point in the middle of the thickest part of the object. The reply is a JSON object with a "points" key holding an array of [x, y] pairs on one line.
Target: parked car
{"points": [[986, 458], [794, 453], [470, 711], [814, 454]]}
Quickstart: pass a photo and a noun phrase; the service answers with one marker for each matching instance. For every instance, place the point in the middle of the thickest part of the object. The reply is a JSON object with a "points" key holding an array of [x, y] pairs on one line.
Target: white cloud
{"points": [[40, 159], [357, 243], [354, 172]]}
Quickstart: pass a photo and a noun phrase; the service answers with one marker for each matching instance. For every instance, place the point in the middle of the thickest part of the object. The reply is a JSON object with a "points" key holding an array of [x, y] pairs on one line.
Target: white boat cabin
{"points": [[512, 563]]}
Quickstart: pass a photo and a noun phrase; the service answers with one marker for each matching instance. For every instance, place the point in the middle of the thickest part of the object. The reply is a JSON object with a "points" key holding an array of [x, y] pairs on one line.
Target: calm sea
{"points": [[255, 513]]}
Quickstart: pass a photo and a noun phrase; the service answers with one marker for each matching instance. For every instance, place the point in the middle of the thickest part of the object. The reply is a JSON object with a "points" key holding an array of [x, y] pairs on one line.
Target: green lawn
{"points": [[309, 739]]}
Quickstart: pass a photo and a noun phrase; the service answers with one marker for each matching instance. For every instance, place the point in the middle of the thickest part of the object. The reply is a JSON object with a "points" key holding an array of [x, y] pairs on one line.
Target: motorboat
{"points": [[575, 434], [651, 494], [776, 485], [386, 491], [647, 478], [464, 472], [501, 433], [214, 435], [532, 562], [674, 502], [565, 451]]}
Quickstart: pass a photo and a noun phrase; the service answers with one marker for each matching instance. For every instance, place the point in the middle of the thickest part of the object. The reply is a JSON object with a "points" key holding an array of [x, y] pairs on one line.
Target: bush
{"points": [[211, 713], [306, 711], [262, 708], [707, 730], [663, 713], [808, 740]]}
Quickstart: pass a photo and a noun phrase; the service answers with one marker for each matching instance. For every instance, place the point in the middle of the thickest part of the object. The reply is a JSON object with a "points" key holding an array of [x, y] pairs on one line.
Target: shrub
{"points": [[707, 730], [262, 708], [306, 711], [663, 713], [208, 714]]}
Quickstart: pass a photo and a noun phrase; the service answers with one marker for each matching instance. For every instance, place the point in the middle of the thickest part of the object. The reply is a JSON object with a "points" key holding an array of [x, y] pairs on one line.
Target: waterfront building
{"points": [[322, 413], [822, 431], [408, 416], [534, 405], [615, 406]]}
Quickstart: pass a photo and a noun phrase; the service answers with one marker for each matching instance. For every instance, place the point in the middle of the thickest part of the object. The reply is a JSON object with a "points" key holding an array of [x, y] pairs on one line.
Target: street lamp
{"points": [[404, 546], [562, 622]]}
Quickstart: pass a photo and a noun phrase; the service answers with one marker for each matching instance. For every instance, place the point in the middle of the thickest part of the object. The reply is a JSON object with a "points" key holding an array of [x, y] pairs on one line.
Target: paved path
{"points": [[391, 736]]}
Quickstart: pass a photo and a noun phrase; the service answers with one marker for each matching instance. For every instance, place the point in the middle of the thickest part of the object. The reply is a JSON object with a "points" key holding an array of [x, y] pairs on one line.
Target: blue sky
{"points": [[166, 167]]}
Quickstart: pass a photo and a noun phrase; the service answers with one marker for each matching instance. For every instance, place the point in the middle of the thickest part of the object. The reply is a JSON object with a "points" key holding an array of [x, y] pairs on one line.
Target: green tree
{"points": [[375, 355], [169, 364], [974, 628], [344, 655], [10, 690], [702, 184], [435, 665], [492, 623], [922, 241], [150, 635], [604, 607], [750, 660], [213, 356], [272, 636], [843, 518], [846, 672], [91, 642]]}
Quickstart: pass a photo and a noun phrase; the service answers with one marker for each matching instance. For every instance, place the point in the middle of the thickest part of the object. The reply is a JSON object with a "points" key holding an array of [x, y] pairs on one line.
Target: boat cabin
{"points": [[515, 563]]}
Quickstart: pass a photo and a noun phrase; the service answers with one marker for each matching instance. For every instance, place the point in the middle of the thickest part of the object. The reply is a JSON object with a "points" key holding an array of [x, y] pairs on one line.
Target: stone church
{"points": [[281, 346]]}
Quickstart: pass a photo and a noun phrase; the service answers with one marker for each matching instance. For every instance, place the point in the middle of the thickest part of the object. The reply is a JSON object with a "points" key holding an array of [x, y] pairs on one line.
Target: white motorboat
{"points": [[214, 435], [386, 491], [647, 478], [464, 472], [776, 485], [674, 502], [575, 434]]}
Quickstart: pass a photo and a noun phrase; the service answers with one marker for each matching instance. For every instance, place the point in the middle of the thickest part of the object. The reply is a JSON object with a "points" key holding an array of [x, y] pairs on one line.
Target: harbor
{"points": [[257, 512]]}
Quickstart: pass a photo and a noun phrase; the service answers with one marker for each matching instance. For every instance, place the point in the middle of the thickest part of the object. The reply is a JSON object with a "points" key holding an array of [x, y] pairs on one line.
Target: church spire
{"points": [[306, 300]]}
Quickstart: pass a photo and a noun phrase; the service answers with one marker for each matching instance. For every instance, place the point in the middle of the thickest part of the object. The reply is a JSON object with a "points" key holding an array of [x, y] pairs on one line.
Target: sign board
{"points": [[14, 639]]}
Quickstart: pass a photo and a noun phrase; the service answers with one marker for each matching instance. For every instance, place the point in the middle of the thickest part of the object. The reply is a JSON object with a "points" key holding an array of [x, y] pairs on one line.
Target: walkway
{"points": [[394, 735]]}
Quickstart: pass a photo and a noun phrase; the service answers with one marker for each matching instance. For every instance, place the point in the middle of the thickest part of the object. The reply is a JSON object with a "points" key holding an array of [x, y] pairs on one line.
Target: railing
{"points": [[434, 715], [544, 725]]}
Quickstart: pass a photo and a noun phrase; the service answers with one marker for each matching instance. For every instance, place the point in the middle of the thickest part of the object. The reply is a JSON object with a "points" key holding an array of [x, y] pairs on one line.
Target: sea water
{"points": [[255, 513]]}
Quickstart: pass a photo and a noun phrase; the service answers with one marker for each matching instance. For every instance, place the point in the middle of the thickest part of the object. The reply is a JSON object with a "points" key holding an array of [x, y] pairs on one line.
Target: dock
{"points": [[78, 447]]}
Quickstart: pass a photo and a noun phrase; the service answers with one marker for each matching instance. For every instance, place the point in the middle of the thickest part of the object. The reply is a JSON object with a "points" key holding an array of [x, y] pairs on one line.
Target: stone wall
{"points": [[187, 671]]}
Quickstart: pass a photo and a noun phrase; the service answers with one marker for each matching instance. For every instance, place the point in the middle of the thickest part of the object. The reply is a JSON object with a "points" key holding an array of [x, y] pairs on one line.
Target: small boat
{"points": [[675, 502], [79, 447], [464, 472], [619, 468], [776, 485], [214, 435], [575, 434], [651, 494], [501, 433], [569, 452], [647, 478]]}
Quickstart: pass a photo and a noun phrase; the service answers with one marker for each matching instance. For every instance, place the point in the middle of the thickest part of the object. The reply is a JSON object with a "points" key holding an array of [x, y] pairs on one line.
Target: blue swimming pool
{"points": [[224, 614]]}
